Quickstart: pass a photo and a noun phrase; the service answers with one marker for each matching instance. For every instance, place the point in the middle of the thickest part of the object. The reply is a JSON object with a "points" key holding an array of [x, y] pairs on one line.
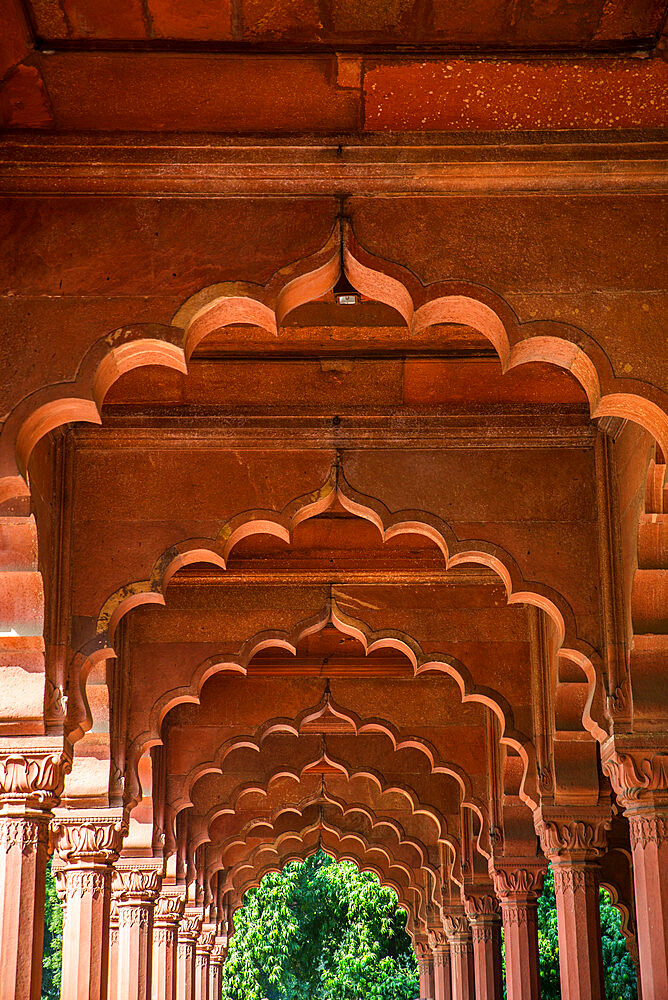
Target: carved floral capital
{"points": [[575, 836], [456, 927], [136, 886], [518, 882], [189, 928], [206, 941], [33, 776], [169, 909], [87, 840], [480, 908], [636, 775]]}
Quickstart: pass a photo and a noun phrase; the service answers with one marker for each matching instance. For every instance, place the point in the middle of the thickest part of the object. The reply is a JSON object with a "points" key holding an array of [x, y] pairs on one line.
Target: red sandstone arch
{"points": [[421, 306], [300, 802], [348, 772], [281, 525], [370, 640], [394, 846], [297, 845]]}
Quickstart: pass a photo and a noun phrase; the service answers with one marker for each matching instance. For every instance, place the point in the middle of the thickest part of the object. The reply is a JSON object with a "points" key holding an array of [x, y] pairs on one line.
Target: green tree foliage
{"points": [[320, 931], [53, 940], [620, 975]]}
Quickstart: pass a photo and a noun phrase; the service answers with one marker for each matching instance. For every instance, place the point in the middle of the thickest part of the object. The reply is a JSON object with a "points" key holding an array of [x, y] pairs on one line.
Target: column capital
{"points": [[457, 928], [190, 927], [32, 774], [481, 908], [205, 942], [136, 882], [638, 774], [571, 833], [219, 952], [518, 879], [87, 838], [169, 909], [438, 939]]}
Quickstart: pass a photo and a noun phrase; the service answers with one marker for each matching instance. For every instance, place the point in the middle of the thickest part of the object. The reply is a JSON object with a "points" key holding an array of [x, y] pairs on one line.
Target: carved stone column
{"points": [[484, 916], [86, 847], [573, 847], [458, 931], [517, 886], [189, 929], [168, 912], [203, 948], [112, 982], [135, 890], [440, 949], [216, 963], [425, 960], [30, 781], [640, 780]]}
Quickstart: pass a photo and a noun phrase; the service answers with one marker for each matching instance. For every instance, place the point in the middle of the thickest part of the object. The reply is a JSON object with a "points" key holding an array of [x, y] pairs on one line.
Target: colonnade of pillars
{"points": [[128, 936]]}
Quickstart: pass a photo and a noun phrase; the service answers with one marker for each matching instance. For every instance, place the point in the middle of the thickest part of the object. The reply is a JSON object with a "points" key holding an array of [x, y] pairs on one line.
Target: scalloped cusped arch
{"points": [[370, 640], [279, 850], [219, 306], [281, 525]]}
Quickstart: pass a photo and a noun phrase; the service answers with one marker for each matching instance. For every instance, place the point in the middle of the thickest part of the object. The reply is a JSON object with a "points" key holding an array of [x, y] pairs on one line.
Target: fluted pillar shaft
{"points": [[458, 931], [189, 929], [30, 780], [425, 960], [216, 962], [517, 889], [639, 777], [86, 847], [112, 982], [484, 916], [573, 842], [203, 948], [168, 912], [440, 950], [135, 890]]}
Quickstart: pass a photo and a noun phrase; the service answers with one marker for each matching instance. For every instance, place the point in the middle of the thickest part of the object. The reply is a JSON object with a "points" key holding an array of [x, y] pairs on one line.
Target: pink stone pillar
{"points": [[135, 890], [426, 966], [517, 889], [189, 929], [168, 912], [573, 842], [484, 916], [203, 949], [112, 982], [86, 848], [639, 777], [458, 931], [442, 978], [216, 963], [649, 844], [30, 779]]}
